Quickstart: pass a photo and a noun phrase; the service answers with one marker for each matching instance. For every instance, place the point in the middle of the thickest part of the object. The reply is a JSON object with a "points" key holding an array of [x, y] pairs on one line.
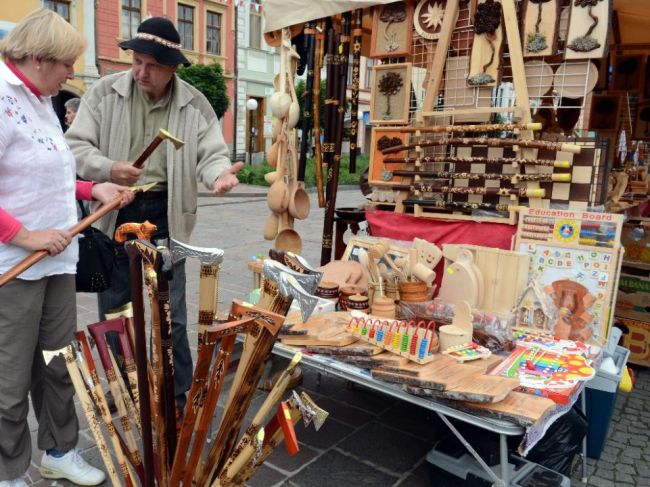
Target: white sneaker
{"points": [[72, 467], [19, 482]]}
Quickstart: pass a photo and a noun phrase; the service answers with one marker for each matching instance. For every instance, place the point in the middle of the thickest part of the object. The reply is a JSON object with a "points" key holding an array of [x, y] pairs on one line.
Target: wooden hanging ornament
{"points": [[588, 29], [427, 18], [488, 38], [540, 27], [392, 30]]}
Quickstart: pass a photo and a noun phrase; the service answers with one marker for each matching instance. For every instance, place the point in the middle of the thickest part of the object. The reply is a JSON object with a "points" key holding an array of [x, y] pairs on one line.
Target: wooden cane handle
{"points": [[139, 162]]}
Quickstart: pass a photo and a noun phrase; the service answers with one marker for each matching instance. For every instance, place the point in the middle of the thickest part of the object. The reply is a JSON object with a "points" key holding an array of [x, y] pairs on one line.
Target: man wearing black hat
{"points": [[118, 117]]}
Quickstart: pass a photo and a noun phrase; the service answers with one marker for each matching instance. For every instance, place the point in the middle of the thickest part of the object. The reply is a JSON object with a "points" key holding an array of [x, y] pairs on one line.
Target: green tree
{"points": [[209, 80]]}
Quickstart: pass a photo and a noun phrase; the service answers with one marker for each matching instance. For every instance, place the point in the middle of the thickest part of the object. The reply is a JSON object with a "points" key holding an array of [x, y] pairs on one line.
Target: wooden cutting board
{"points": [[472, 387]]}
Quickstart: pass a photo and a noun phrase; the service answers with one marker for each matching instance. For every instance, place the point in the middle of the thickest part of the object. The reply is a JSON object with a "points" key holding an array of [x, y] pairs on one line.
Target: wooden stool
{"points": [[345, 218]]}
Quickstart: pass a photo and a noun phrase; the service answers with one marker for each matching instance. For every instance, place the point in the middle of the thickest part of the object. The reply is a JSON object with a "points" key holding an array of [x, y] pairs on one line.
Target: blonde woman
{"points": [[37, 204]]}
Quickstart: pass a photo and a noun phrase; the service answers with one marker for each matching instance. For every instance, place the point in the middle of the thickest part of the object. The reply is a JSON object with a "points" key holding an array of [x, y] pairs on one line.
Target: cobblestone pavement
{"points": [[370, 439]]}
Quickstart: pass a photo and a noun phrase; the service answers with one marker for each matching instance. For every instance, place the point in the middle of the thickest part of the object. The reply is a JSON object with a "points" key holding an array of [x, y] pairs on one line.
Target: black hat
{"points": [[158, 37]]}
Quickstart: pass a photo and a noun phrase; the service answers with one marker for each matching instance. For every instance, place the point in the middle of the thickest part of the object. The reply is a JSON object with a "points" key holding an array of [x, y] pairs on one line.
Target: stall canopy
{"points": [[633, 15], [283, 13]]}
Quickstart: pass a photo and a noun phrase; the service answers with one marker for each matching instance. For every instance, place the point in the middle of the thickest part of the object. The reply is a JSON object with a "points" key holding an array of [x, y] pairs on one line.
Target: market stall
{"points": [[485, 142]]}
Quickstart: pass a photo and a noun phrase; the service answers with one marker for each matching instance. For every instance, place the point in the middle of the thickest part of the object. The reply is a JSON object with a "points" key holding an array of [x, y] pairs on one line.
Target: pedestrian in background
{"points": [[71, 109]]}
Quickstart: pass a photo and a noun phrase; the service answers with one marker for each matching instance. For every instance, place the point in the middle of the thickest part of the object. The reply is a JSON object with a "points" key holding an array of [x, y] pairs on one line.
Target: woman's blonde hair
{"points": [[44, 34]]}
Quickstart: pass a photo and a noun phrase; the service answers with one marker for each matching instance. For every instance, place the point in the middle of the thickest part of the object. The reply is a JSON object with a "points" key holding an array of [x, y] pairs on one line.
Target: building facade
{"points": [[207, 29], [81, 15], [257, 64]]}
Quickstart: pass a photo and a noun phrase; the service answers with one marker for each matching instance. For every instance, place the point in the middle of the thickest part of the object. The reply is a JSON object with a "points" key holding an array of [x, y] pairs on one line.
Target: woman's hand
{"points": [[107, 192], [52, 240]]}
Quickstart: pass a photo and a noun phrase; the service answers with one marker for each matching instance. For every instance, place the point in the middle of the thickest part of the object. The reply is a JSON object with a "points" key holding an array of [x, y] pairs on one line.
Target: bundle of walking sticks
{"points": [[152, 442]]}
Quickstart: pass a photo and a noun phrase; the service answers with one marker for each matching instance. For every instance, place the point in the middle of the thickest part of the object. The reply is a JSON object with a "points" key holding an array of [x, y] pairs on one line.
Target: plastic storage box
{"points": [[601, 393]]}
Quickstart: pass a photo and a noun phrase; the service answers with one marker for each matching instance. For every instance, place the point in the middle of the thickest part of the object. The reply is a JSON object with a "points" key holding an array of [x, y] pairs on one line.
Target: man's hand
{"points": [[52, 240], [107, 192], [227, 179], [124, 173]]}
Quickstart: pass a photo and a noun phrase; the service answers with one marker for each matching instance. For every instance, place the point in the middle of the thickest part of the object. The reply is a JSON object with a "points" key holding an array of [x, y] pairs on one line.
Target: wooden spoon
{"points": [[288, 239], [271, 226], [278, 196], [299, 204], [273, 152]]}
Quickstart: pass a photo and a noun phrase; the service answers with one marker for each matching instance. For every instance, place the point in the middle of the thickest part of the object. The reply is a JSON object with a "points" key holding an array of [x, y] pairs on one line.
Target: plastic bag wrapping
{"points": [[491, 330], [562, 441]]}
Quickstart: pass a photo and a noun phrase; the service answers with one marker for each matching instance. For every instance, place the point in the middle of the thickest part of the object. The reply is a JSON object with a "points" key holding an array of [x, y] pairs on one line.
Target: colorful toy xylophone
{"points": [[417, 341], [527, 338], [467, 352]]}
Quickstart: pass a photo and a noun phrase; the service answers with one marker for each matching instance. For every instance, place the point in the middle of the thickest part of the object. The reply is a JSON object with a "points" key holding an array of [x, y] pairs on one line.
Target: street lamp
{"points": [[251, 106]]}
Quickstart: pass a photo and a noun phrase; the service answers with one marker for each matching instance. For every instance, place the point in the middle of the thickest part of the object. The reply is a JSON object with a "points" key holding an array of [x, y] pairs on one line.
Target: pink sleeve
{"points": [[85, 190], [9, 226]]}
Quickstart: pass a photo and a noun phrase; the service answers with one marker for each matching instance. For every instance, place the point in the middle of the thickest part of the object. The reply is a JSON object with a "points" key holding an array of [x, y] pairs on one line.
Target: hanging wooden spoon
{"points": [[271, 226], [288, 239], [299, 199], [278, 196]]}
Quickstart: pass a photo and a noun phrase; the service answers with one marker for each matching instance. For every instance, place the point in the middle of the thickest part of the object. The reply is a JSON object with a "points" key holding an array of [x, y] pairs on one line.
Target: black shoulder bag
{"points": [[96, 259]]}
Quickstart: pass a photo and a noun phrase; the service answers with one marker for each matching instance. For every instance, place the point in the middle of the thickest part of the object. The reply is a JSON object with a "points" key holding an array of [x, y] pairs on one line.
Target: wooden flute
{"points": [[481, 160], [515, 178], [428, 188], [490, 142], [492, 127]]}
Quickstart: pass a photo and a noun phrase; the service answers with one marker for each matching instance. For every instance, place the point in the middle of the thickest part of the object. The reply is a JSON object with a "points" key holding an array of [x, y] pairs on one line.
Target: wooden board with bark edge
{"points": [[357, 349], [413, 369], [454, 381], [526, 410], [381, 361], [324, 329]]}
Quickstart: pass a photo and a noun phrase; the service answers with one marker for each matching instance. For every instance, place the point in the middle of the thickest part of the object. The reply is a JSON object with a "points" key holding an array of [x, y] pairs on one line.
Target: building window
{"points": [[186, 25], [255, 24], [213, 33], [61, 7], [130, 18], [368, 75]]}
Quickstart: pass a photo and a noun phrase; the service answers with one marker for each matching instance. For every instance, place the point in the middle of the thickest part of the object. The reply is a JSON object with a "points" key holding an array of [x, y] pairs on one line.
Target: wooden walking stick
{"points": [[157, 273], [89, 371], [241, 392], [204, 397], [39, 255], [529, 144], [162, 135], [210, 260], [357, 37], [134, 251], [246, 446], [87, 406], [331, 63], [318, 155], [98, 332], [299, 406]]}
